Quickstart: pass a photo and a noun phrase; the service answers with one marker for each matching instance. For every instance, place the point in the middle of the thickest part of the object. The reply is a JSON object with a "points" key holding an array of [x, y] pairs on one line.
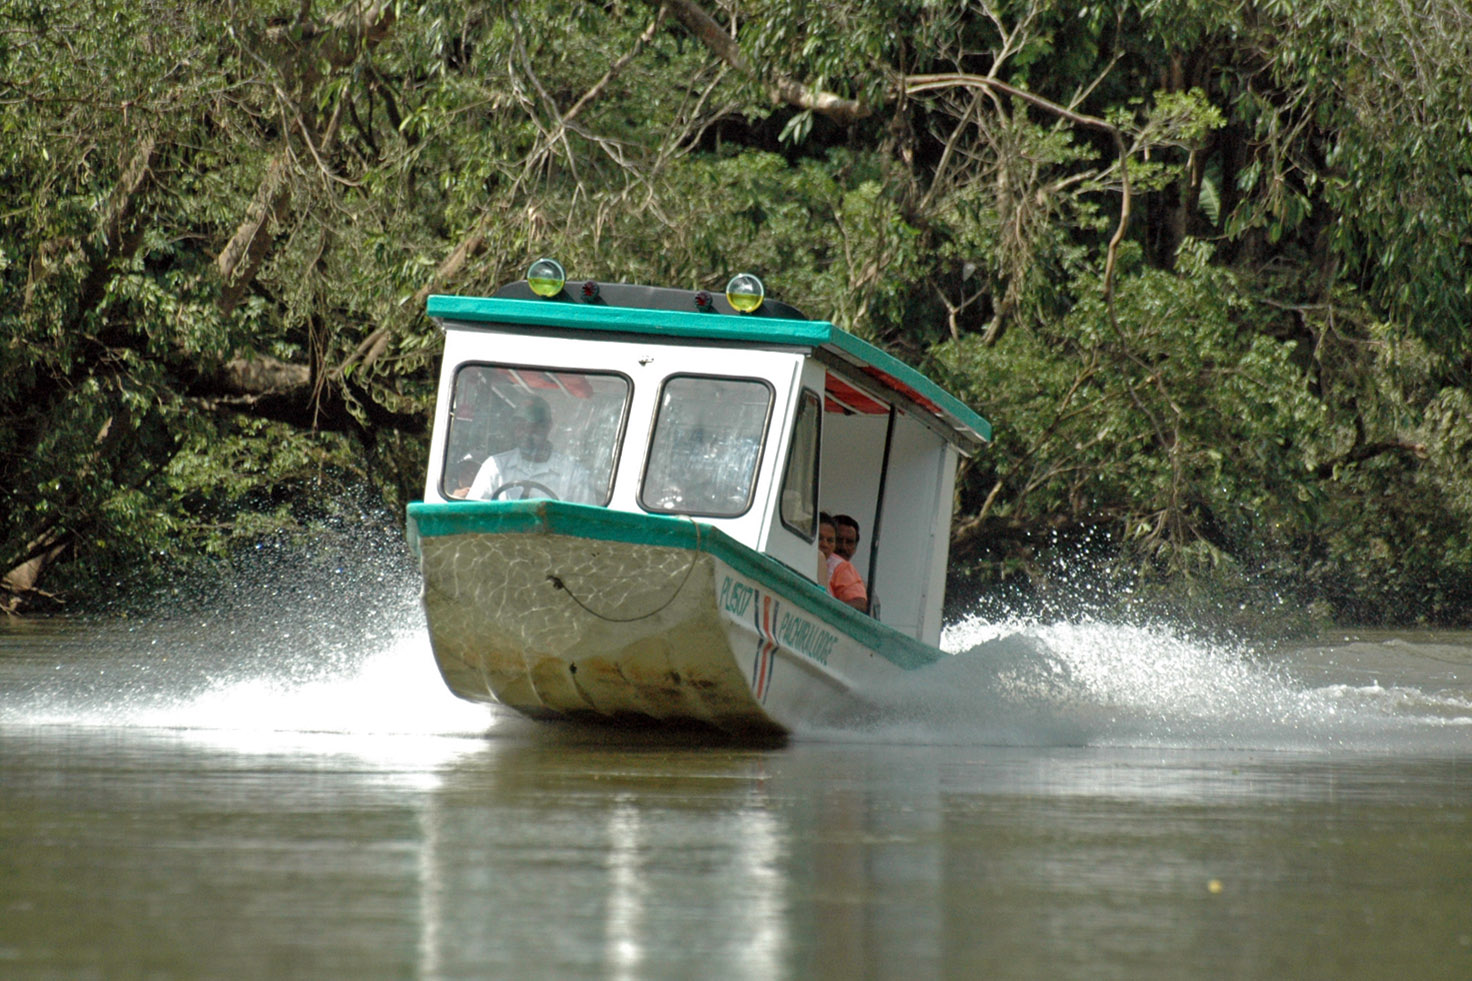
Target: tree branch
{"points": [[373, 346], [340, 39], [782, 89], [117, 241], [241, 258], [1368, 451], [926, 83]]}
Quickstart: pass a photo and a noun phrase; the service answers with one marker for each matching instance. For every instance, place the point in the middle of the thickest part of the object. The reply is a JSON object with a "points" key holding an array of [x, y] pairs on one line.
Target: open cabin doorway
{"points": [[884, 467]]}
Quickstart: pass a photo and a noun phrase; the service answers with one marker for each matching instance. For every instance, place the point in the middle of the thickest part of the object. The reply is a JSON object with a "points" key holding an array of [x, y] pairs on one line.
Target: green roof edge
{"points": [[673, 323], [703, 326]]}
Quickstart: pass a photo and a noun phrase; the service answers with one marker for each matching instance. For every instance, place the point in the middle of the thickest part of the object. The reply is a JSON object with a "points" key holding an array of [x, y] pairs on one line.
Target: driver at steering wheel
{"points": [[532, 468]]}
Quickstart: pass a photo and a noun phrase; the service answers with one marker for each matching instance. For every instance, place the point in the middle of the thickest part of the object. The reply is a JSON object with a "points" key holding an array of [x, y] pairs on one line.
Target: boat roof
{"points": [[698, 315]]}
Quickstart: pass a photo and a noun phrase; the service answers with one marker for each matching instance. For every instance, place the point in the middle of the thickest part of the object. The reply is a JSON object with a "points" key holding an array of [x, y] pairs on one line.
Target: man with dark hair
{"points": [[847, 531], [846, 543], [532, 468]]}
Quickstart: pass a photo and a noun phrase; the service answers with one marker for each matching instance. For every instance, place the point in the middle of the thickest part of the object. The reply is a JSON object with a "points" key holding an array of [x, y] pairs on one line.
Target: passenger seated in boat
{"points": [[846, 543], [532, 468], [843, 579], [846, 540]]}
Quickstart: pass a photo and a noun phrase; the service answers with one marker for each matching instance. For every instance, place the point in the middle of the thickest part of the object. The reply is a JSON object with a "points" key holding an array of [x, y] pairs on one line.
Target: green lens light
{"points": [[745, 292], [546, 277]]}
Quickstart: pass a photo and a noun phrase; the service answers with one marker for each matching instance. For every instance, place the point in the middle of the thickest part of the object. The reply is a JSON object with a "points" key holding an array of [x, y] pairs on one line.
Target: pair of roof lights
{"points": [[744, 292]]}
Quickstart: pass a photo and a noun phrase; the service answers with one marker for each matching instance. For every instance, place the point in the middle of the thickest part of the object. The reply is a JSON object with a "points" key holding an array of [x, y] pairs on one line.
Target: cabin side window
{"points": [[800, 477], [519, 432], [706, 445]]}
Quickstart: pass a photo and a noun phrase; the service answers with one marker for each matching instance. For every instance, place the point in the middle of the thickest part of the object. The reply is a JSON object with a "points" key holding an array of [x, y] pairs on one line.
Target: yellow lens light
{"points": [[546, 277], [745, 292]]}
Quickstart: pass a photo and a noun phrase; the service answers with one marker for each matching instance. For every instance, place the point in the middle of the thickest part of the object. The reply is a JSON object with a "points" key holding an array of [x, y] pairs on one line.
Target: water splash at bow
{"points": [[1099, 684]]}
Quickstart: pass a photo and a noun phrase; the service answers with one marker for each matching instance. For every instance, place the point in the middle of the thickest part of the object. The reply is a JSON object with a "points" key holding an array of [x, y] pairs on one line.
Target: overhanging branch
{"points": [[782, 89], [913, 84]]}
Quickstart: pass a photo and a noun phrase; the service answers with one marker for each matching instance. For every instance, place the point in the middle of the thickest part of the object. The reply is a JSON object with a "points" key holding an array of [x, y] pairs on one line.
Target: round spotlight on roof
{"points": [[745, 292], [546, 277]]}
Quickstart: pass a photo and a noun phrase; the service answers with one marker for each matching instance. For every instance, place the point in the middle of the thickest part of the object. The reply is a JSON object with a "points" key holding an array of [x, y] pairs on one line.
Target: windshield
{"points": [[518, 432], [706, 445]]}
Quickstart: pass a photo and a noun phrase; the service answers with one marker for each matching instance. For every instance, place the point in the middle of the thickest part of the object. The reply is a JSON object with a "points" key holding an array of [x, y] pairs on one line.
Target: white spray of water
{"points": [[351, 662], [1099, 684], [301, 650], [381, 706], [393, 690]]}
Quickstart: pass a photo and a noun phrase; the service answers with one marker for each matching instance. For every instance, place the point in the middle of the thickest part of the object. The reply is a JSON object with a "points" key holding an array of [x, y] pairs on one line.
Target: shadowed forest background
{"points": [[1206, 266]]}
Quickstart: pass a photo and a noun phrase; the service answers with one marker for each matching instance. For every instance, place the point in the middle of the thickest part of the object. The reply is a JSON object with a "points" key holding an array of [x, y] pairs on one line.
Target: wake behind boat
{"points": [[620, 515]]}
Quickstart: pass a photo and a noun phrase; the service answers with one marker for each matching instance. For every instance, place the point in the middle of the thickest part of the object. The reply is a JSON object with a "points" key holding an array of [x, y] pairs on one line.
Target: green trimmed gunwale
{"points": [[586, 521], [690, 325]]}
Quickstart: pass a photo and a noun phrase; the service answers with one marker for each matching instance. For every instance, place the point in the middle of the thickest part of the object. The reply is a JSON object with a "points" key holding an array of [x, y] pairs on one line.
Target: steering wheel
{"points": [[528, 484]]}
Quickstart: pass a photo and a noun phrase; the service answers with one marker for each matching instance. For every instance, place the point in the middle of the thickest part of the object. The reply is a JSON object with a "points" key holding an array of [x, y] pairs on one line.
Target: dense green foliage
{"points": [[1206, 265]]}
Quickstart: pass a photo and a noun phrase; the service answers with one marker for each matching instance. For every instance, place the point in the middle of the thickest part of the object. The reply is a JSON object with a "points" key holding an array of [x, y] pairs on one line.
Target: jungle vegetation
{"points": [[1205, 264]]}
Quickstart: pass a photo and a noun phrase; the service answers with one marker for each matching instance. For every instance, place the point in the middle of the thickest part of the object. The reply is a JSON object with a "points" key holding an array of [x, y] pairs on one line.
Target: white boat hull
{"points": [[587, 626]]}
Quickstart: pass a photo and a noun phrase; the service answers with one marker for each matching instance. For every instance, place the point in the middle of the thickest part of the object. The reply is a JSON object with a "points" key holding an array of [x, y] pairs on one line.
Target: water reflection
{"points": [[167, 813], [827, 860], [519, 854], [593, 861]]}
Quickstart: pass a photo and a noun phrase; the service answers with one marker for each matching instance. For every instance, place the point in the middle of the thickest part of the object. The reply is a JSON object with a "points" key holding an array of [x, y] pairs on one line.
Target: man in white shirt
{"points": [[532, 468]]}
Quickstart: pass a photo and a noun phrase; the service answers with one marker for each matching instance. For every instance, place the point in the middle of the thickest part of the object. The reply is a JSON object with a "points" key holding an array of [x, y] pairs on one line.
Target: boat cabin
{"points": [[677, 403]]}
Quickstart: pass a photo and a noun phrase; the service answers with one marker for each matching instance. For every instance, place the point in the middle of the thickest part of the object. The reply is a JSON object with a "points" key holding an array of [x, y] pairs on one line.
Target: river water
{"points": [[281, 788]]}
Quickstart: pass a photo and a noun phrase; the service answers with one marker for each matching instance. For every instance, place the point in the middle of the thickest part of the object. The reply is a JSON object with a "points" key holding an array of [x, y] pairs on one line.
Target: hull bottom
{"points": [[559, 628]]}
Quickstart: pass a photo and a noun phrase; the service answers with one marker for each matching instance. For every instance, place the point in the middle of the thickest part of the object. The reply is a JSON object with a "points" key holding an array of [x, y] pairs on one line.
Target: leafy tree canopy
{"points": [[1208, 266]]}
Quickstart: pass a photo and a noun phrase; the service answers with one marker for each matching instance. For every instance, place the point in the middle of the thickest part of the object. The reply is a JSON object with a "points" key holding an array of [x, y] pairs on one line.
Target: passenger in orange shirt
{"points": [[845, 544], [843, 578]]}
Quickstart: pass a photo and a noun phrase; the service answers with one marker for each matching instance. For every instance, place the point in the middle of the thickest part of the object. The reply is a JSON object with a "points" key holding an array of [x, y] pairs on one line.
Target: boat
{"points": [[621, 506]]}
